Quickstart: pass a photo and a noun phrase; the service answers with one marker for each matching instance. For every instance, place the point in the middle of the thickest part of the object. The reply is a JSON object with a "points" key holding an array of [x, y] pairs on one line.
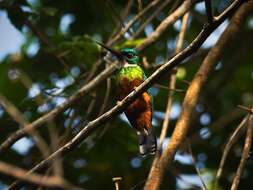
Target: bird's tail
{"points": [[147, 142]]}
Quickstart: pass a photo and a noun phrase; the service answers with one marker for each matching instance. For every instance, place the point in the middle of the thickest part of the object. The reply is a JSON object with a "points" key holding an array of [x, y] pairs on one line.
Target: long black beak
{"points": [[113, 51]]}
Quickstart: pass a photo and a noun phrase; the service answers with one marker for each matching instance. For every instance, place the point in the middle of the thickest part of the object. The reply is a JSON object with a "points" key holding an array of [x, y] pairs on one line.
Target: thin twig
{"points": [[233, 138], [244, 108], [196, 168], [245, 154], [168, 88]]}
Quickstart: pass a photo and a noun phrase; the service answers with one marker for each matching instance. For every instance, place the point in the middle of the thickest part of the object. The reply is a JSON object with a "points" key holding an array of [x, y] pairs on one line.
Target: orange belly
{"points": [[139, 113]]}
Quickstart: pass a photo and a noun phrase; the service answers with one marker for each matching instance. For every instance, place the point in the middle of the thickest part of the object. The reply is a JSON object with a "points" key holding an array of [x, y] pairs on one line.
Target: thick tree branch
{"points": [[167, 67]]}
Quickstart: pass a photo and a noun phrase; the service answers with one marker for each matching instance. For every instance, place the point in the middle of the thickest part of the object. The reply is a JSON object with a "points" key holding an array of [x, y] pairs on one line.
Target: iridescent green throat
{"points": [[131, 72]]}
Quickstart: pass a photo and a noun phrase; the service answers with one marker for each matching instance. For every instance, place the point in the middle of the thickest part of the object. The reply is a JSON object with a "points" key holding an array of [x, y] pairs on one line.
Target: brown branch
{"points": [[116, 181], [244, 108], [156, 175], [34, 179], [233, 138], [245, 154], [175, 61], [168, 88], [180, 11]]}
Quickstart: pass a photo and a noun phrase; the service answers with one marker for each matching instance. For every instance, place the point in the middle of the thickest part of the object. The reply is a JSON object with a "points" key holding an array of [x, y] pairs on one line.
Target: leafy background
{"points": [[31, 77]]}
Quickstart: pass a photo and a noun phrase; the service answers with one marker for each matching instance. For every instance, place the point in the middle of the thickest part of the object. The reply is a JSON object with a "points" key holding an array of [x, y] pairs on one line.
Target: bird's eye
{"points": [[129, 56]]}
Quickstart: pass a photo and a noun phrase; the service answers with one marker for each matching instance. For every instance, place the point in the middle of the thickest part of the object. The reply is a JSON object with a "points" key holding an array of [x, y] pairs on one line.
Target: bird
{"points": [[139, 113]]}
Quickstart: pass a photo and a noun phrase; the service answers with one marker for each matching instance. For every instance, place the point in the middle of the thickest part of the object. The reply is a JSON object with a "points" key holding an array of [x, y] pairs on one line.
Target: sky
{"points": [[10, 38]]}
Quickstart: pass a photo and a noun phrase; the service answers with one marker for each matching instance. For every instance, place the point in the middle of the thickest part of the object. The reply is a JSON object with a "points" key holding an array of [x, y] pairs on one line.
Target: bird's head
{"points": [[126, 55], [130, 55]]}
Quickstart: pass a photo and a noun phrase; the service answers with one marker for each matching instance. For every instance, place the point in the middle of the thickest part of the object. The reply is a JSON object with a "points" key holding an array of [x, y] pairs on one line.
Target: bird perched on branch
{"points": [[139, 113]]}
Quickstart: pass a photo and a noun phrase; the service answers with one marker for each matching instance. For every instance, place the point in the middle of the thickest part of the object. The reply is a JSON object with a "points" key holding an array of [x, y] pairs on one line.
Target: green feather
{"points": [[131, 73]]}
